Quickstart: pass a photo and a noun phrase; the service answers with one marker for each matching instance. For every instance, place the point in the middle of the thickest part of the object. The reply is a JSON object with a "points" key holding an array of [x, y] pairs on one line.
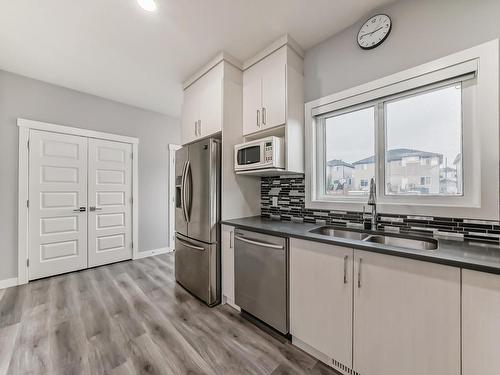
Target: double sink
{"points": [[383, 239]]}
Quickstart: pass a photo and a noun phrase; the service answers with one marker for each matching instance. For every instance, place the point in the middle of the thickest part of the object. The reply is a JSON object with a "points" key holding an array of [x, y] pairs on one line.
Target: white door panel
{"points": [[406, 316], [274, 95], [252, 101], [110, 192], [58, 187]]}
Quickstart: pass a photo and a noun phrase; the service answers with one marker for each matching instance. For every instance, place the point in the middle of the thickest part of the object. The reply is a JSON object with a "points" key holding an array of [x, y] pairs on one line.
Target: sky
{"points": [[429, 122]]}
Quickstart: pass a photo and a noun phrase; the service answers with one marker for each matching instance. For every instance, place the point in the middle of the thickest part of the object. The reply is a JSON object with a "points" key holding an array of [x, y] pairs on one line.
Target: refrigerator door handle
{"points": [[188, 200], [183, 192], [184, 243]]}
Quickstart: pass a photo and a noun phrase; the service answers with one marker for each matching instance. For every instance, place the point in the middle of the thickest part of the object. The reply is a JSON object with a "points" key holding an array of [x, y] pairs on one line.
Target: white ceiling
{"points": [[114, 49]]}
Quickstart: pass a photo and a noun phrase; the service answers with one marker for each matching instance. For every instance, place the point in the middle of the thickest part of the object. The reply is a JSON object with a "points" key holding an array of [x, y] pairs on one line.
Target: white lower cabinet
{"points": [[388, 316], [321, 298], [227, 264], [406, 316], [480, 323]]}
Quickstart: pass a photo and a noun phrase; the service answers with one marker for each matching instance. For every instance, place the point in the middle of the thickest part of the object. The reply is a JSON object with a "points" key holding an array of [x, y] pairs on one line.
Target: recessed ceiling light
{"points": [[148, 5]]}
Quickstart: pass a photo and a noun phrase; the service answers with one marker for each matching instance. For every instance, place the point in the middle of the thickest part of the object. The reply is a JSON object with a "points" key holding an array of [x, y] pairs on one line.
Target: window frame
{"points": [[321, 160], [480, 135], [466, 108]]}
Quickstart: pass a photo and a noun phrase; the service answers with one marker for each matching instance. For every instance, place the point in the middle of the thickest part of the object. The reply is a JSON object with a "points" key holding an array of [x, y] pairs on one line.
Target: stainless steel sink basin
{"points": [[342, 233], [407, 243]]}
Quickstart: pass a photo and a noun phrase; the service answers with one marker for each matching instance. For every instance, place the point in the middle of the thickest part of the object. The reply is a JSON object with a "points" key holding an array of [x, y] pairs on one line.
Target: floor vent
{"points": [[346, 370]]}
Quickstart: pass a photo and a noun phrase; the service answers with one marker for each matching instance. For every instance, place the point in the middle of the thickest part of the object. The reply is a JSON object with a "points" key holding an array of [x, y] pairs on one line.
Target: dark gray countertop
{"points": [[465, 254]]}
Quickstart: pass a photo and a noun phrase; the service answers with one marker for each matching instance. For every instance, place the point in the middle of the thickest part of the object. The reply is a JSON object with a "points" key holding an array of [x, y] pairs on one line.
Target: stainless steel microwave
{"points": [[265, 153]]}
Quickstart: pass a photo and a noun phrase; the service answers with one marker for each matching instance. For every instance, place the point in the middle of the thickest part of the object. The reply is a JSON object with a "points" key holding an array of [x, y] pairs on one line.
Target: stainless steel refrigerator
{"points": [[197, 219]]}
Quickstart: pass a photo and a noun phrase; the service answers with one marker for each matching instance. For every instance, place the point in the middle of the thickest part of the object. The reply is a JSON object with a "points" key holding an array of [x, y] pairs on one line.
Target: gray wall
{"points": [[27, 98], [423, 30]]}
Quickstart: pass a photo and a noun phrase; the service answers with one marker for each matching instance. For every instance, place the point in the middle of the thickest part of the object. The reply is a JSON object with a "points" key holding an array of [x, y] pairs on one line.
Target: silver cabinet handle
{"points": [[196, 128], [81, 209], [191, 246], [359, 272], [199, 128], [231, 239], [257, 243], [346, 258], [264, 116], [258, 118], [94, 208]]}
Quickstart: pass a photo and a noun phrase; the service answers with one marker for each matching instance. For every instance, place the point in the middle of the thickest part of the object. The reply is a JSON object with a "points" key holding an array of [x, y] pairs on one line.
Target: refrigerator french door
{"points": [[197, 217]]}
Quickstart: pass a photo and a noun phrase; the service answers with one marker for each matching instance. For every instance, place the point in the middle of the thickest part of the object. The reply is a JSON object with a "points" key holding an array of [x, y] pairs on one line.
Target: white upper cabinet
{"points": [[211, 103], [252, 101], [406, 316], [202, 107], [274, 96], [266, 93]]}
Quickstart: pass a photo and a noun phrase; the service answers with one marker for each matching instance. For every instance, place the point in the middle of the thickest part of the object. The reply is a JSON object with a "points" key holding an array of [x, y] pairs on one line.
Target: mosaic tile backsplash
{"points": [[283, 198]]}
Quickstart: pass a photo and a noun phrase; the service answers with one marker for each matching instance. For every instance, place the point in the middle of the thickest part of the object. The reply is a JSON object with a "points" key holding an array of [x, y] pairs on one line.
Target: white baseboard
{"points": [[150, 253], [7, 283], [228, 301]]}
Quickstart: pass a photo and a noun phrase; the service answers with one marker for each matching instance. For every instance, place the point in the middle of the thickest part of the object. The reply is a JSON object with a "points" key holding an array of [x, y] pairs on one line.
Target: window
{"points": [[422, 136], [429, 136], [424, 131], [349, 143], [425, 181]]}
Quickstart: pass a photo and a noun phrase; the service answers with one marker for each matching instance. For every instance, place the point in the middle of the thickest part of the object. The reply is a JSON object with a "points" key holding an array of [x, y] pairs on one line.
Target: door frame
{"points": [[172, 148], [23, 214]]}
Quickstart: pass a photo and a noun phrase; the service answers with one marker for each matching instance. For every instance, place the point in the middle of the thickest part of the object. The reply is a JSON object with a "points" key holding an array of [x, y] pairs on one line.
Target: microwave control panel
{"points": [[268, 152]]}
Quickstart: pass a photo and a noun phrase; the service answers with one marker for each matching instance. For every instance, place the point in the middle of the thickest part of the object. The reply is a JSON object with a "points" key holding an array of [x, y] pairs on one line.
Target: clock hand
{"points": [[373, 32]]}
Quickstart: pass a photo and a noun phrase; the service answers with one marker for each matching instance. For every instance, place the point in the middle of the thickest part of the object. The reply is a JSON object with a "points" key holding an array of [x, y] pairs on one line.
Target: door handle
{"points": [[196, 128], [257, 243], [81, 209], [199, 128], [359, 272], [263, 116], [346, 258], [94, 208], [258, 118], [183, 191], [190, 246], [185, 197]]}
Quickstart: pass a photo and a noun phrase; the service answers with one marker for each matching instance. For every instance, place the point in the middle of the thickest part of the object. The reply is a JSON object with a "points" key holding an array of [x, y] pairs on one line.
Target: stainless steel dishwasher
{"points": [[261, 277]]}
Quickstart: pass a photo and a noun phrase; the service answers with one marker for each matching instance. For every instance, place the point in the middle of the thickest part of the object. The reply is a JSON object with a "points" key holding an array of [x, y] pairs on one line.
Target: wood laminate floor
{"points": [[132, 318]]}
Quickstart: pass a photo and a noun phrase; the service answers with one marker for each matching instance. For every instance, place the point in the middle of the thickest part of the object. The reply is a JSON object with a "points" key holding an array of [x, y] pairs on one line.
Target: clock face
{"points": [[374, 31]]}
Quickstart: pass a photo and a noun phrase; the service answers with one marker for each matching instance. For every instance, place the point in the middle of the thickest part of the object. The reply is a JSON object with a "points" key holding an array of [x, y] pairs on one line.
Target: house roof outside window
{"points": [[339, 163], [399, 154]]}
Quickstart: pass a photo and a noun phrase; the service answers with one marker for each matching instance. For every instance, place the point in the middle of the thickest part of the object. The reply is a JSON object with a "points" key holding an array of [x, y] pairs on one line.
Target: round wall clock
{"points": [[374, 31]]}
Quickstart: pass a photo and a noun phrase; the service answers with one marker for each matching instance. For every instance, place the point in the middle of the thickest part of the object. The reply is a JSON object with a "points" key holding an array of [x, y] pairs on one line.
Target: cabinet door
{"points": [[211, 102], [406, 316], [321, 297], [190, 113], [252, 100], [274, 92], [228, 263], [480, 323]]}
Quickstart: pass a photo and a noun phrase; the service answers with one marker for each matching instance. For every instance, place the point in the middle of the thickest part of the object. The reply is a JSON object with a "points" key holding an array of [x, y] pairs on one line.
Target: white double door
{"points": [[80, 203]]}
